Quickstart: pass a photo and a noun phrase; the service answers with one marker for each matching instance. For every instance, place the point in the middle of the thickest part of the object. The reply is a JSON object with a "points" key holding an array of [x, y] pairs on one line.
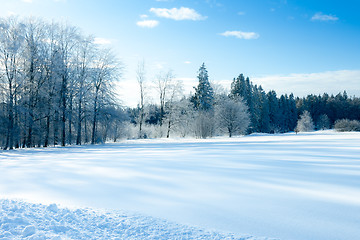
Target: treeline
{"points": [[246, 109], [326, 109], [56, 86]]}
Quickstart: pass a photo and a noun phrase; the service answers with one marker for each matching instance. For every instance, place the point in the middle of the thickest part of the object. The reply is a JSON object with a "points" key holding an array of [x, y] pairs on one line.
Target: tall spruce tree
{"points": [[204, 93]]}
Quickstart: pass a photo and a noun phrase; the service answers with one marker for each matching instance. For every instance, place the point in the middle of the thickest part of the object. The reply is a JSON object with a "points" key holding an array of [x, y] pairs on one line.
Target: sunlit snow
{"points": [[287, 186]]}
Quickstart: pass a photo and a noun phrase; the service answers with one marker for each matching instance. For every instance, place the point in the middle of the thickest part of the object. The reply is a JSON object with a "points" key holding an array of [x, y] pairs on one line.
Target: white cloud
{"points": [[323, 17], [302, 84], [187, 62], [148, 23], [241, 35], [102, 41], [182, 13], [143, 16]]}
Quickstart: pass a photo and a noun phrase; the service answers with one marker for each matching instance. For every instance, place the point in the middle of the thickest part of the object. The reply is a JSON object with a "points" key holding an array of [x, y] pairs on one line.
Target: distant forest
{"points": [[57, 87]]}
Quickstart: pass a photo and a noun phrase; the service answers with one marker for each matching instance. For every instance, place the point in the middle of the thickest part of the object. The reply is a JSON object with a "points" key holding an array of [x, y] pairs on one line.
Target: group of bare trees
{"points": [[169, 91], [55, 85]]}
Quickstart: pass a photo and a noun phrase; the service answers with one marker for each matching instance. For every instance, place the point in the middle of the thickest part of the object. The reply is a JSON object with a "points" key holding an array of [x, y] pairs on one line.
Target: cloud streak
{"points": [[241, 35], [178, 14], [147, 23], [302, 84], [324, 17]]}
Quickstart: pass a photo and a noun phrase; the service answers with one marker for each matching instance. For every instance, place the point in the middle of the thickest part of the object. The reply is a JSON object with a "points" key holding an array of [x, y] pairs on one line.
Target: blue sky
{"points": [[299, 46]]}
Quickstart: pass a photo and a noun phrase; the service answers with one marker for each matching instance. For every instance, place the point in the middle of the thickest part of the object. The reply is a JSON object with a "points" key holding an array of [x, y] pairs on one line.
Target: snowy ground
{"points": [[304, 186], [21, 220]]}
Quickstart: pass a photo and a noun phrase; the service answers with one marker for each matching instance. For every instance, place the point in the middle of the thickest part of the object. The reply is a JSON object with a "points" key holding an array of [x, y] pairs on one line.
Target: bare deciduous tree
{"points": [[11, 42], [105, 71], [163, 82], [140, 77]]}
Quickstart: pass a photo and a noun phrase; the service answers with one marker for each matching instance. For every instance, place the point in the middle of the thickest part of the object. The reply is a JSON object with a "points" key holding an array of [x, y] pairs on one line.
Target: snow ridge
{"points": [[21, 220]]}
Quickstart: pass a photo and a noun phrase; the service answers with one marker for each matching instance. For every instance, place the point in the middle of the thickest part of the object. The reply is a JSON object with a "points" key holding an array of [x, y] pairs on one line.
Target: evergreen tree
{"points": [[204, 93], [265, 112], [274, 111], [292, 112], [255, 106], [323, 122], [238, 87]]}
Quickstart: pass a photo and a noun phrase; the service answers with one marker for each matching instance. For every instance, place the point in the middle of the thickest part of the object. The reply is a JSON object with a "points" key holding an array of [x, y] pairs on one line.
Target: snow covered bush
{"points": [[148, 131], [346, 125], [204, 126], [305, 123]]}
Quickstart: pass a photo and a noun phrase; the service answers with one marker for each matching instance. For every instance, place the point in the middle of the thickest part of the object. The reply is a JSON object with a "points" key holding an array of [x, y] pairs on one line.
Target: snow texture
{"points": [[20, 220], [287, 186]]}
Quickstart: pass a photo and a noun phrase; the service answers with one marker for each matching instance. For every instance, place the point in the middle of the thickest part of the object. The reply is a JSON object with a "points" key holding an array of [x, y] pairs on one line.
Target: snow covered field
{"points": [[304, 186]]}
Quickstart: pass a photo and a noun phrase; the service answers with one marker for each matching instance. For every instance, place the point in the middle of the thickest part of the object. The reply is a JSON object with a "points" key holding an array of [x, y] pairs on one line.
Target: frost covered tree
{"points": [[47, 74], [164, 85], [175, 91], [84, 56], [105, 71], [183, 117], [204, 124], [305, 123], [11, 43], [232, 116]]}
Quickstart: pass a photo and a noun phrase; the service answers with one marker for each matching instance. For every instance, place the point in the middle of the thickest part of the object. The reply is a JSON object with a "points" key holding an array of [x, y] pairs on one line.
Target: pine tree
{"points": [[204, 93]]}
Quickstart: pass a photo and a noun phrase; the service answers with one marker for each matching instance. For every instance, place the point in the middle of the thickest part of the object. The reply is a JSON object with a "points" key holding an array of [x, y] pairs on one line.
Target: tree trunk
{"points": [[168, 130], [10, 132], [47, 131], [78, 137], [95, 118], [56, 127], [63, 111], [70, 120], [86, 131]]}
